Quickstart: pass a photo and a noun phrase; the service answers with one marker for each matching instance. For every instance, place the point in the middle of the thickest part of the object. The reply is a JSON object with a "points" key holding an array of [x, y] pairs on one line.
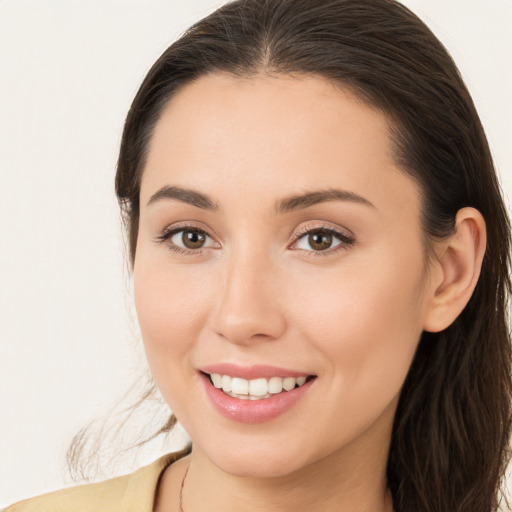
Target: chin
{"points": [[257, 459], [274, 467]]}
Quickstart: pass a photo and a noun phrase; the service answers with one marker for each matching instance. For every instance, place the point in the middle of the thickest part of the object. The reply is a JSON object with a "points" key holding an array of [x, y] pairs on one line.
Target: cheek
{"points": [[367, 323], [367, 335], [169, 309], [170, 306]]}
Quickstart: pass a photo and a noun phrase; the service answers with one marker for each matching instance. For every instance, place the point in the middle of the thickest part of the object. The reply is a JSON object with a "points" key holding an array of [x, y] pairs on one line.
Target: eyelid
{"points": [[346, 238], [164, 237], [322, 226]]}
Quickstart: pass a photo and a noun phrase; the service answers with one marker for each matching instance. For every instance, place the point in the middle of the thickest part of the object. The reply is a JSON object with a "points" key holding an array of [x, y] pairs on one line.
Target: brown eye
{"points": [[320, 240], [193, 239], [187, 239]]}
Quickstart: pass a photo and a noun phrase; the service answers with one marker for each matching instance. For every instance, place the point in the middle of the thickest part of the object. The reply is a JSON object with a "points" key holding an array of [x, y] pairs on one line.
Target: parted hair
{"points": [[450, 438]]}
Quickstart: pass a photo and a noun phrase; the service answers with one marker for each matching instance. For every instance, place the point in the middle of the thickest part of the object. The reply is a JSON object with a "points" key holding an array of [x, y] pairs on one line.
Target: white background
{"points": [[69, 348]]}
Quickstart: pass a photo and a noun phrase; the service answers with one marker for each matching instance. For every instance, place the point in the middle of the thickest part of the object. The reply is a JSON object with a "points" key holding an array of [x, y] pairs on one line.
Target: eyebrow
{"points": [[185, 195], [300, 201], [286, 205]]}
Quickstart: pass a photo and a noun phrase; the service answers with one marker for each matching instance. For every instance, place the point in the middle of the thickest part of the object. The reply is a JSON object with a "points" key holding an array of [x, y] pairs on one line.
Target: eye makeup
{"points": [[189, 239]]}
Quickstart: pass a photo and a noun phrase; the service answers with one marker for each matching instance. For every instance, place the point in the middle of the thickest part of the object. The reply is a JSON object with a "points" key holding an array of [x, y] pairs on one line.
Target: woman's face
{"points": [[278, 239]]}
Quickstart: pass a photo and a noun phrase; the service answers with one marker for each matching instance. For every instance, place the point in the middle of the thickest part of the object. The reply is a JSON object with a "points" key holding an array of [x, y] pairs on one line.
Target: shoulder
{"points": [[89, 497], [127, 493]]}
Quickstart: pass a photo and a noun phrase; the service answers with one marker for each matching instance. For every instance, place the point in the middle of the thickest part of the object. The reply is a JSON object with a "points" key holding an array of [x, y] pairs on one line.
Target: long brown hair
{"points": [[449, 447]]}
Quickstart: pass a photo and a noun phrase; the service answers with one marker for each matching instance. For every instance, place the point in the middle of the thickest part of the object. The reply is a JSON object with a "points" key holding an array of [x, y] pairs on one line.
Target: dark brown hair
{"points": [[450, 442]]}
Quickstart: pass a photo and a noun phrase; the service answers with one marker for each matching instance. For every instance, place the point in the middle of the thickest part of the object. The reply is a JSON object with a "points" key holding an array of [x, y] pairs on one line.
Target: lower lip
{"points": [[253, 411]]}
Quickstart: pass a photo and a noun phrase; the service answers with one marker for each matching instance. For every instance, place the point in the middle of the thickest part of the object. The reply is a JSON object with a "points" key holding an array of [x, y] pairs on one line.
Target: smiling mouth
{"points": [[256, 389]]}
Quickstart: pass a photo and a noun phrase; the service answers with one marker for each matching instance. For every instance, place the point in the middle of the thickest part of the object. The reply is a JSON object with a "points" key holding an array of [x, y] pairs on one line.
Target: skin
{"points": [[259, 293]]}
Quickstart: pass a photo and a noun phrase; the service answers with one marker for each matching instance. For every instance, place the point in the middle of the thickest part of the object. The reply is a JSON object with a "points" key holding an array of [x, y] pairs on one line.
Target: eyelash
{"points": [[346, 239], [168, 233]]}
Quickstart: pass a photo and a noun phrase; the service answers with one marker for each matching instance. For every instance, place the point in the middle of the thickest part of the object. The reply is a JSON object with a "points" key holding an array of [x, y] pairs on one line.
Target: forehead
{"points": [[272, 135]]}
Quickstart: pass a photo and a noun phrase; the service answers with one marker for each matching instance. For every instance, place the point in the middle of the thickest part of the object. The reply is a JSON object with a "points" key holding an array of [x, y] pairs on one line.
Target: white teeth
{"points": [[275, 385], [226, 383], [239, 386], [301, 381], [257, 388], [289, 383], [217, 380]]}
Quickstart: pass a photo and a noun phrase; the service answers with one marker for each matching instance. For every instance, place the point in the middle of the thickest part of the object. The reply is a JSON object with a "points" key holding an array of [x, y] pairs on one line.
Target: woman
{"points": [[321, 264]]}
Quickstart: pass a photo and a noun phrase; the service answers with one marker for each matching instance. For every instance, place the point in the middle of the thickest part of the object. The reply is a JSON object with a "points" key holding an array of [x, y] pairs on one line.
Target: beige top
{"points": [[128, 493]]}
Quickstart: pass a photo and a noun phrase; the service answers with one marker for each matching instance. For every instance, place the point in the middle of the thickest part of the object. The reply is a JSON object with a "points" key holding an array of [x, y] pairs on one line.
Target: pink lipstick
{"points": [[253, 394]]}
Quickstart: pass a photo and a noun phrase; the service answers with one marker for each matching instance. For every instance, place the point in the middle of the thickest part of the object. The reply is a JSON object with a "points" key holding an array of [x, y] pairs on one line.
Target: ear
{"points": [[456, 270]]}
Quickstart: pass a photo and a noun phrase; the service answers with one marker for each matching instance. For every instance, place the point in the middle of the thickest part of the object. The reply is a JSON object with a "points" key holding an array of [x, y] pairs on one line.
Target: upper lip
{"points": [[256, 371]]}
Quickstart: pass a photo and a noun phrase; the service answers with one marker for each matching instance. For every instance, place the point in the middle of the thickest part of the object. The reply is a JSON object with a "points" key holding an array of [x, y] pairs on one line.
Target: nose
{"points": [[249, 307]]}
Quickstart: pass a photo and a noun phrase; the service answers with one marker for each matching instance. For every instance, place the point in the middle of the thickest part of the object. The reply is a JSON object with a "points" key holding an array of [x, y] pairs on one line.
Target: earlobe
{"points": [[458, 269]]}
